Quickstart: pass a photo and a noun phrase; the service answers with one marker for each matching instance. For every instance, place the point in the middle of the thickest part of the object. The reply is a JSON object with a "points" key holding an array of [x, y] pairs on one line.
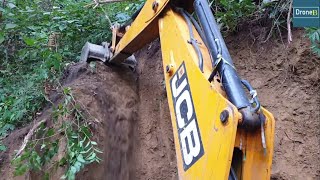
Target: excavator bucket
{"points": [[93, 52]]}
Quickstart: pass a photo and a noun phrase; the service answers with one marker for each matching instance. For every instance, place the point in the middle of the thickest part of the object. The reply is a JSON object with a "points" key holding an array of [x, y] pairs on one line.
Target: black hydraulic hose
{"points": [[200, 31], [232, 83], [222, 59], [193, 41], [197, 26], [232, 174]]}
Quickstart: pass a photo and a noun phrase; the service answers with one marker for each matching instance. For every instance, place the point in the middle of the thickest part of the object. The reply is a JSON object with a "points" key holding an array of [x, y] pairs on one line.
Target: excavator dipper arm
{"points": [[219, 132]]}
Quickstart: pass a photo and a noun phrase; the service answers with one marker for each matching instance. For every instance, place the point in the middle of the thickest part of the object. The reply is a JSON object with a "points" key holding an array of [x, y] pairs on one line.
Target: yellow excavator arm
{"points": [[219, 132]]}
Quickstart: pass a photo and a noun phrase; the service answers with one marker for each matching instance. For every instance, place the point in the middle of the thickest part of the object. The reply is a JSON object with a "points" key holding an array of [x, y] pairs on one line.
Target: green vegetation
{"points": [[37, 40], [230, 13], [314, 35], [71, 126]]}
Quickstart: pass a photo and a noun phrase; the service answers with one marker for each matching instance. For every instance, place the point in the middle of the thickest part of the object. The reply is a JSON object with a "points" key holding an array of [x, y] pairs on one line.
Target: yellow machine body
{"points": [[206, 148]]}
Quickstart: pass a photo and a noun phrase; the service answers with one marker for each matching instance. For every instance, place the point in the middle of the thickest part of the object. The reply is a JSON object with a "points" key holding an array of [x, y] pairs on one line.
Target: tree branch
{"points": [[28, 137], [96, 3], [289, 24]]}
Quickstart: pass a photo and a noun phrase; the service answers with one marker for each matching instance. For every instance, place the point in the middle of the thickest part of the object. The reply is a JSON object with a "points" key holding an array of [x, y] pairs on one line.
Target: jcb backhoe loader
{"points": [[220, 129]]}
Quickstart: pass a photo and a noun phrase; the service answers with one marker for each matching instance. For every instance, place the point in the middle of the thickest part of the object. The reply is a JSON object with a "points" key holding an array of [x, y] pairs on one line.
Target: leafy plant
{"points": [[74, 129], [81, 150], [37, 39], [230, 13], [314, 35]]}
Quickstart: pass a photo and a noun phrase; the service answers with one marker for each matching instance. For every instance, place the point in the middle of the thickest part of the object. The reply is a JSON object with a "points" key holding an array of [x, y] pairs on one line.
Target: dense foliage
{"points": [[314, 35], [230, 12], [37, 39]]}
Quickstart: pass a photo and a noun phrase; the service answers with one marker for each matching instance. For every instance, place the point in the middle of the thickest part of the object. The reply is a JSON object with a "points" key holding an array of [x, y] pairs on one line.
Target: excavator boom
{"points": [[219, 132]]}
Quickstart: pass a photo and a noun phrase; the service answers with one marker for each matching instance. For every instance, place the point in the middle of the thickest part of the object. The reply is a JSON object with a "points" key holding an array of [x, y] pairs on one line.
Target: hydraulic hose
{"points": [[192, 40], [224, 65]]}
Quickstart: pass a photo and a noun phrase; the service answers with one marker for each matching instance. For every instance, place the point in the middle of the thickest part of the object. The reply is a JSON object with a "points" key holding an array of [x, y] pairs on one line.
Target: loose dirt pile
{"points": [[134, 128], [287, 81], [132, 122]]}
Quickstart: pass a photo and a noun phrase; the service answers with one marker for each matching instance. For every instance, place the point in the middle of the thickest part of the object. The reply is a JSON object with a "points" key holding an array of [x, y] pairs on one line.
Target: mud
{"points": [[132, 117]]}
